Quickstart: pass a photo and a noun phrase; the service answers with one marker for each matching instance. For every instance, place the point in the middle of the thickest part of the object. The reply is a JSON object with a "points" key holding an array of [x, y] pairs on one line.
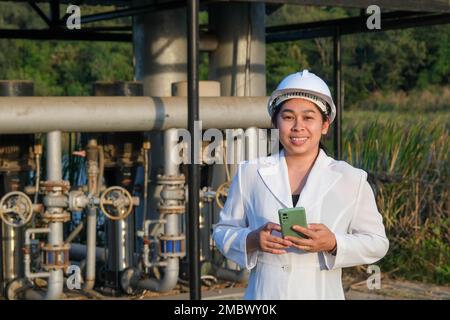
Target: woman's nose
{"points": [[298, 125]]}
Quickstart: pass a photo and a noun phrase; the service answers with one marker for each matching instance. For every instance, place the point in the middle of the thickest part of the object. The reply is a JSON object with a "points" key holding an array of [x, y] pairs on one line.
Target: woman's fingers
{"points": [[272, 226], [274, 245], [316, 226], [275, 251], [300, 242], [305, 231], [282, 241]]}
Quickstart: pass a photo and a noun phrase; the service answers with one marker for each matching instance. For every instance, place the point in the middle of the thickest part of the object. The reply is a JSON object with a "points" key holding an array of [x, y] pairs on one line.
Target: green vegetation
{"points": [[408, 161]]}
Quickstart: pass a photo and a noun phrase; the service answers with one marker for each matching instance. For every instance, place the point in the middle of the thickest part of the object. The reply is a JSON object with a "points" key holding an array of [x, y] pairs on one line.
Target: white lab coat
{"points": [[335, 194]]}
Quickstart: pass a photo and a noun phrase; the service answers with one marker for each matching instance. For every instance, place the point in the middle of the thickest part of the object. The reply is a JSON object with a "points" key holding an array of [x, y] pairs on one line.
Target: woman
{"points": [[344, 226]]}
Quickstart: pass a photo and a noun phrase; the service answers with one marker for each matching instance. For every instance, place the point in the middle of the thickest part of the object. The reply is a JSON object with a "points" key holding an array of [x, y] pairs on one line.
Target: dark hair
{"points": [[277, 111]]}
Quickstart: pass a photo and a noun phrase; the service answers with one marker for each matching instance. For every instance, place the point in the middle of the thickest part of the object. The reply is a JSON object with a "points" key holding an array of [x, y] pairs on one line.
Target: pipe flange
{"points": [[172, 246], [56, 257], [171, 180], [171, 209], [56, 217], [54, 186], [16, 209]]}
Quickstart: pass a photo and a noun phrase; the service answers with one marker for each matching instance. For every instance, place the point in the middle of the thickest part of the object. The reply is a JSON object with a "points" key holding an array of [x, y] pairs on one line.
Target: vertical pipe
{"points": [[55, 237], [240, 58], [194, 169], [160, 56], [171, 162], [337, 94], [91, 228]]}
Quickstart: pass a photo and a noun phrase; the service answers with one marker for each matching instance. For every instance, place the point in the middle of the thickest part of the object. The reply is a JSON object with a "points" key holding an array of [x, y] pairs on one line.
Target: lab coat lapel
{"points": [[275, 177], [320, 180]]}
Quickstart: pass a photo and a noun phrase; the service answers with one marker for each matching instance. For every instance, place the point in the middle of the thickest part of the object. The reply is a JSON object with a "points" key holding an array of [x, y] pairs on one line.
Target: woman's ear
{"points": [[326, 126]]}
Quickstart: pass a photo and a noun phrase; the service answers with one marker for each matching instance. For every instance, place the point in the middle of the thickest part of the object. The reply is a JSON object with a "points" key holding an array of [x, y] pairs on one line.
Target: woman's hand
{"points": [[320, 238], [262, 239]]}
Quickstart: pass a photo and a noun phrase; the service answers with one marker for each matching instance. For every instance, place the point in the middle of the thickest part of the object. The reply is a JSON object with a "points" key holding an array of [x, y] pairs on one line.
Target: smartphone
{"points": [[291, 216]]}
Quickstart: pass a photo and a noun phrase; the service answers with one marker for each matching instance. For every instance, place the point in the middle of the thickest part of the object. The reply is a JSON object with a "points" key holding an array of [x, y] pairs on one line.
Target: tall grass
{"points": [[434, 98], [407, 158]]}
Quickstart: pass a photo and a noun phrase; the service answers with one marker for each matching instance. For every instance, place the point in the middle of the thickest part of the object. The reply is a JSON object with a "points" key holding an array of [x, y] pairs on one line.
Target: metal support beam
{"points": [[389, 21], [40, 12], [194, 167], [54, 13], [61, 34], [132, 11], [337, 94]]}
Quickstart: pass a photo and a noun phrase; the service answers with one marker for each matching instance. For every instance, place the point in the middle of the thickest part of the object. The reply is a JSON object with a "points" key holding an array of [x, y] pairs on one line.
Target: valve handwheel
{"points": [[116, 203], [16, 209], [222, 192]]}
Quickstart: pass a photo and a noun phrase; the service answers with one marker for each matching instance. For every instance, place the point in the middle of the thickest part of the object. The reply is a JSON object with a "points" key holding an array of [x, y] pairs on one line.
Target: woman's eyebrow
{"points": [[304, 111]]}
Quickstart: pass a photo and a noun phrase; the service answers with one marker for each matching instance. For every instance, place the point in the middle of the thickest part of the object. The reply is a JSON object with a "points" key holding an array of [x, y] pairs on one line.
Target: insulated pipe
{"points": [[55, 237], [104, 114]]}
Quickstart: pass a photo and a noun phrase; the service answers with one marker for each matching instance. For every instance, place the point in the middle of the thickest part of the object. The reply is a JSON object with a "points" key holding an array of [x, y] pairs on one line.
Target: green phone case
{"points": [[291, 216]]}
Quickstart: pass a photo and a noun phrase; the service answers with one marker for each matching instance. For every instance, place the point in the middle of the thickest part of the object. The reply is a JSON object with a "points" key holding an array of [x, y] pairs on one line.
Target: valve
{"points": [[222, 193], [117, 203], [16, 209]]}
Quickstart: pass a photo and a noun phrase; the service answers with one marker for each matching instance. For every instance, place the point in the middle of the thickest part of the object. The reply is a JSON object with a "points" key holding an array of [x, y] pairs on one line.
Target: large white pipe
{"points": [[55, 237], [105, 114]]}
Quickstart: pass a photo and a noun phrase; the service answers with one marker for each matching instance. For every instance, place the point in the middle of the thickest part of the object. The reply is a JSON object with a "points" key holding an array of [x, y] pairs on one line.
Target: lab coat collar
{"points": [[320, 180]]}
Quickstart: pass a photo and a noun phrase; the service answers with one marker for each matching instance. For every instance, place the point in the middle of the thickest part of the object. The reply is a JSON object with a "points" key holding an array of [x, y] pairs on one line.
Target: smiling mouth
{"points": [[298, 141]]}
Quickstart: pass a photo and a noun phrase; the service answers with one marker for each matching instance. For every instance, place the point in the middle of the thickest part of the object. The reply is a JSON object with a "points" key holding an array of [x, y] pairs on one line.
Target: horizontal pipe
{"points": [[239, 276], [78, 252], [104, 114]]}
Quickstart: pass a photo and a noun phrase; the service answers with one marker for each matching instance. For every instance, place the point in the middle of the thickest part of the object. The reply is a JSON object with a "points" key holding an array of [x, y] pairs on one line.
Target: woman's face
{"points": [[300, 126]]}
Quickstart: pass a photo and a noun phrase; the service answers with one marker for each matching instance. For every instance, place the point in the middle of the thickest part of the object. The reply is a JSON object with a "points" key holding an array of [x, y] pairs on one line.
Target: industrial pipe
{"points": [[55, 257], [104, 114], [93, 186], [27, 255], [78, 252], [55, 237], [171, 221], [168, 282]]}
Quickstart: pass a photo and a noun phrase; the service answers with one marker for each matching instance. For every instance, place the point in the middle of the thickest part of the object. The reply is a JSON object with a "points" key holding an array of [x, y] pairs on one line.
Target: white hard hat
{"points": [[305, 85]]}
